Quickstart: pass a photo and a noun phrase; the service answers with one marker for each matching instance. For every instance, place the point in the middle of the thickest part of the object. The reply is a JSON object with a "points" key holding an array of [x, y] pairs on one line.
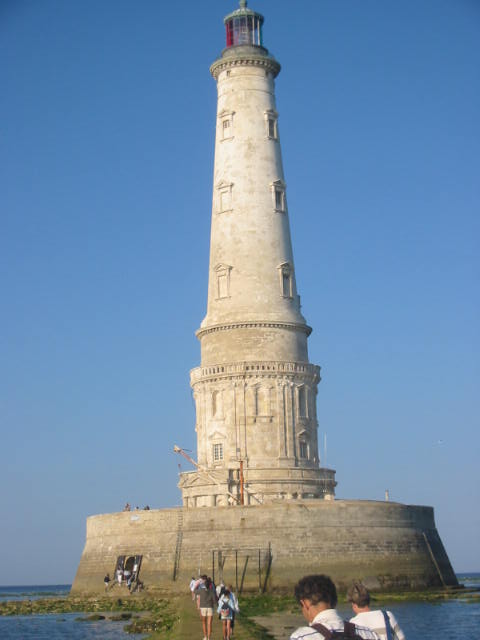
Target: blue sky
{"points": [[106, 152]]}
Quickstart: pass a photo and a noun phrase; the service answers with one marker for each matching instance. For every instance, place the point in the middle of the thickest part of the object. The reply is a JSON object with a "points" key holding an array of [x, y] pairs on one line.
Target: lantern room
{"points": [[243, 27]]}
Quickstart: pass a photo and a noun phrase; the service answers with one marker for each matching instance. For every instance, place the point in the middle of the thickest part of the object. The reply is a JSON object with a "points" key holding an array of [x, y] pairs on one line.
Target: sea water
{"points": [[453, 619], [34, 592], [60, 627], [55, 626]]}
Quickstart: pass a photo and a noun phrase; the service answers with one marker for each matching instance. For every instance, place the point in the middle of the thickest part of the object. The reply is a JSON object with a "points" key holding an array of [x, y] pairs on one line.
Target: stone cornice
{"points": [[290, 326], [241, 370], [245, 59]]}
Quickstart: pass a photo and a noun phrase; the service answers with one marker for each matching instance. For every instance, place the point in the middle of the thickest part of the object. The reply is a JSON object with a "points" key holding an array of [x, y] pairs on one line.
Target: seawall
{"points": [[269, 547]]}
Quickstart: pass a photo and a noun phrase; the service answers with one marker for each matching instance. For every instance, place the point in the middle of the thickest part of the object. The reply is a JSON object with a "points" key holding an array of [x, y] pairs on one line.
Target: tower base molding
{"points": [[261, 485]]}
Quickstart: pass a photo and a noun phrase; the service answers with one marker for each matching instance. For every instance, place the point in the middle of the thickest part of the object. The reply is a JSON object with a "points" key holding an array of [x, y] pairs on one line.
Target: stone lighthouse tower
{"points": [[257, 509], [255, 391]]}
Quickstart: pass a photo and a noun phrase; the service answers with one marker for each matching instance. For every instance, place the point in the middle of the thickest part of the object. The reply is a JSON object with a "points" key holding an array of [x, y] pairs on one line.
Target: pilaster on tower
{"points": [[255, 391]]}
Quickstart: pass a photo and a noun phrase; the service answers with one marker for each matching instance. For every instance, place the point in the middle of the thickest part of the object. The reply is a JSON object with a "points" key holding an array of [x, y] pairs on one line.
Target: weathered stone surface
{"points": [[270, 546], [255, 391]]}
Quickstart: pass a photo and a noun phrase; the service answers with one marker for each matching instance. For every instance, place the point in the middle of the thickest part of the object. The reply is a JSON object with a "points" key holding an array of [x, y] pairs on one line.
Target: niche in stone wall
{"points": [[217, 404], [303, 450], [263, 401], [302, 402]]}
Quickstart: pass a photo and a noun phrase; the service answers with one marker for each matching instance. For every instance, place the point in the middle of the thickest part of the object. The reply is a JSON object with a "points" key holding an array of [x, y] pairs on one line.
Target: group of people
{"points": [[317, 596], [207, 598], [124, 576], [128, 507]]}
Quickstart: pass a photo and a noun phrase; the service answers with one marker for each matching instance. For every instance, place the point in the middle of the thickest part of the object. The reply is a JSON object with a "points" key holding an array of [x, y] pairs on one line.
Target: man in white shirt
{"points": [[317, 596], [359, 597]]}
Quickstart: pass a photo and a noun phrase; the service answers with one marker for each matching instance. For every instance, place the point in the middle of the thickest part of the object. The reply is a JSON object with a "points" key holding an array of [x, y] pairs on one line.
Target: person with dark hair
{"points": [[225, 610], [206, 601], [192, 586], [236, 608], [317, 595], [381, 621], [220, 588]]}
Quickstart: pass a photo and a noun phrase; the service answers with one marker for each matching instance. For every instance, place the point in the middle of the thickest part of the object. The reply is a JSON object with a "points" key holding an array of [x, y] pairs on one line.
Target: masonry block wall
{"points": [[269, 547]]}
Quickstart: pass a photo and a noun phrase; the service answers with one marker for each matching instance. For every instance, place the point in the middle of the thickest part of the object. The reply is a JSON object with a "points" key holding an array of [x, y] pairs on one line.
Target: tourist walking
{"points": [[381, 621], [225, 609], [206, 601], [317, 596], [192, 587], [106, 581], [220, 588], [236, 608]]}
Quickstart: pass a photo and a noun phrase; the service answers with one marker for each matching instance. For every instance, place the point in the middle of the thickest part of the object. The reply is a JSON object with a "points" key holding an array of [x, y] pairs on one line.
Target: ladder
{"points": [[178, 546]]}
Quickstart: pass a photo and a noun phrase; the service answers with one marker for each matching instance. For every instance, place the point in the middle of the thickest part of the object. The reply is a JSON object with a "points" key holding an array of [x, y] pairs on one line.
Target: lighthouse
{"points": [[258, 509], [255, 389]]}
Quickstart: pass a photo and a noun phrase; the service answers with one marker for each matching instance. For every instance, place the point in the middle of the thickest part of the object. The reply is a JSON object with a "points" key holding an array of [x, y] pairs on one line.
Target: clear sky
{"points": [[107, 122]]}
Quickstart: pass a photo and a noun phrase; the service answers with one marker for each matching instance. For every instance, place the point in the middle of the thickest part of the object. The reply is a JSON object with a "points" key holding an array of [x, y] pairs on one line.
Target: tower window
{"points": [[303, 449], [218, 452], [223, 281], [224, 199], [279, 200], [286, 280], [226, 125], [271, 118], [286, 285], [222, 285], [278, 196]]}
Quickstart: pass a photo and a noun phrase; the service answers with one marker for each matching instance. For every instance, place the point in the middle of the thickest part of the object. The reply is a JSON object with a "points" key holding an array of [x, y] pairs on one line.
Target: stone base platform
{"points": [[269, 547]]}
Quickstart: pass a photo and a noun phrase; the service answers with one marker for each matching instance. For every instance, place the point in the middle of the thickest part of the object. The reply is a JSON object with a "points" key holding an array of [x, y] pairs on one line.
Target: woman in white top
{"points": [[226, 609]]}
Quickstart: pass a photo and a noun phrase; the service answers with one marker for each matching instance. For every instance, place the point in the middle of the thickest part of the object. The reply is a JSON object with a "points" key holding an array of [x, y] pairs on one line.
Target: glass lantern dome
{"points": [[244, 27]]}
